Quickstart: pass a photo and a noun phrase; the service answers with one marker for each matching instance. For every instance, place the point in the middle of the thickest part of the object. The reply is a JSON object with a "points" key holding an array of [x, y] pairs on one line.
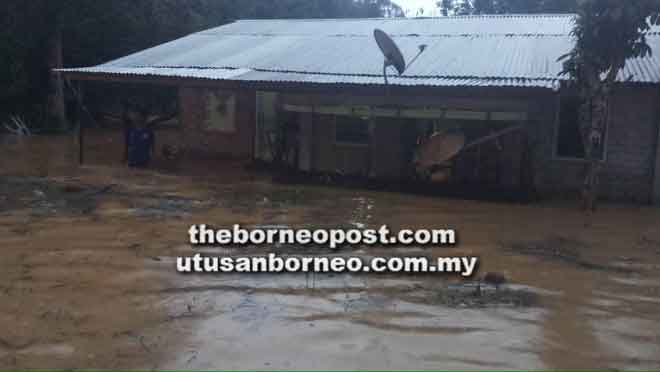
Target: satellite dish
{"points": [[439, 149], [392, 53], [393, 56]]}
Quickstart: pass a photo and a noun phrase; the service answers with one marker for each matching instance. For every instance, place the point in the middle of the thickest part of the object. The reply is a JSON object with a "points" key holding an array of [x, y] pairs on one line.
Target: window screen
{"points": [[569, 138], [352, 130]]}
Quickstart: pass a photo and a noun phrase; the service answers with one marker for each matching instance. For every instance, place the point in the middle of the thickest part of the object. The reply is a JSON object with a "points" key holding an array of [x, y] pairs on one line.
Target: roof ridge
{"points": [[398, 35], [242, 70], [512, 15], [305, 72]]}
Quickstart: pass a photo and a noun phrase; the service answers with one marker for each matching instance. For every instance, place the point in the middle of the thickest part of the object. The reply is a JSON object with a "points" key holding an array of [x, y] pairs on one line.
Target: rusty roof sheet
{"points": [[503, 50]]}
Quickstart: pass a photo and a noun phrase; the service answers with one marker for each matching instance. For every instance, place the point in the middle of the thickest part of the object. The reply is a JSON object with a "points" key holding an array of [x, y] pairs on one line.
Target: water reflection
{"points": [[588, 316]]}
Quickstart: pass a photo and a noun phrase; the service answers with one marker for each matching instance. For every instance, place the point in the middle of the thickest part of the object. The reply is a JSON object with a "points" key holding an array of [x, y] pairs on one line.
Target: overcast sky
{"points": [[412, 6]]}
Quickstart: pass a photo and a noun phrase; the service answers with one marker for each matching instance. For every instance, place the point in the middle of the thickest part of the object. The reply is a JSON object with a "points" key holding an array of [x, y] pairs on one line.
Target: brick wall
{"points": [[212, 143], [628, 172], [384, 157], [631, 143]]}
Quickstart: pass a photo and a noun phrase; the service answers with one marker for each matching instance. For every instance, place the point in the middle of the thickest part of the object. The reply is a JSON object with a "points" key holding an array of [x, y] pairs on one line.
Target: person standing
{"points": [[140, 142]]}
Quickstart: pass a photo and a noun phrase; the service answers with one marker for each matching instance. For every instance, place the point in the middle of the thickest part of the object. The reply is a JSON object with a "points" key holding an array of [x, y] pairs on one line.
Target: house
{"points": [[482, 76]]}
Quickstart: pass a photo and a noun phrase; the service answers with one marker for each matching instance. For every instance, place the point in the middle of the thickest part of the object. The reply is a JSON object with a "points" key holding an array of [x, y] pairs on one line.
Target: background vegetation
{"points": [[465, 7], [41, 34]]}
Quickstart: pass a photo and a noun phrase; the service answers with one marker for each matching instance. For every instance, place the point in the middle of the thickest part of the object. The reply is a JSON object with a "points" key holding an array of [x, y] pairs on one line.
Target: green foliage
{"points": [[18, 49], [466, 7], [320, 9], [95, 31], [607, 33]]}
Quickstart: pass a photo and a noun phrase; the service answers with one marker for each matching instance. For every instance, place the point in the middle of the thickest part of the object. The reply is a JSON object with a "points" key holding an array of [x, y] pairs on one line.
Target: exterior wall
{"points": [[324, 150], [632, 151], [383, 158], [387, 155], [199, 140], [656, 174], [631, 145], [628, 172]]}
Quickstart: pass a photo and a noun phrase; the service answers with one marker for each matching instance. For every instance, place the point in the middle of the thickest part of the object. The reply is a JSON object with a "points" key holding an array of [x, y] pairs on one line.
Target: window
{"points": [[351, 130], [569, 138], [221, 112]]}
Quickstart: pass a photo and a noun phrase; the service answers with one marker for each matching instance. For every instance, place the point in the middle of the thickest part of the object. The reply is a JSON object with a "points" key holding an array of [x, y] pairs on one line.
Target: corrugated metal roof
{"points": [[509, 50], [265, 76], [248, 75], [193, 73], [543, 24]]}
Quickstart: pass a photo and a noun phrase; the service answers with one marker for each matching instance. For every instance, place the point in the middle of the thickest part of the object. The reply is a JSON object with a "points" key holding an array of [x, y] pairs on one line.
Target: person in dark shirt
{"points": [[140, 142]]}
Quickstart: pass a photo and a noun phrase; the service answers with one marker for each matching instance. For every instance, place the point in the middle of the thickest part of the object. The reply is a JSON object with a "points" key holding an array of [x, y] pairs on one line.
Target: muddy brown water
{"points": [[87, 276]]}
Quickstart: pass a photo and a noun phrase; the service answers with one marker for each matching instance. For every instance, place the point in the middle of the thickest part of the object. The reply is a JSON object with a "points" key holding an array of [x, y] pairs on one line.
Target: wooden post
{"points": [[256, 120], [56, 105], [313, 155], [370, 149], [656, 178], [80, 123], [527, 182]]}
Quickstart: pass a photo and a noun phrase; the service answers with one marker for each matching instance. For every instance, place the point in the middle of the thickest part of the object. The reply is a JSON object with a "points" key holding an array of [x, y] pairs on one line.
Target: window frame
{"points": [[208, 127], [555, 142]]}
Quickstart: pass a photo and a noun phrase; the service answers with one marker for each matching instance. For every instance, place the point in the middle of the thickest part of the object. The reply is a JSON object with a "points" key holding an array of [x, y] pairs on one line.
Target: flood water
{"points": [[88, 276]]}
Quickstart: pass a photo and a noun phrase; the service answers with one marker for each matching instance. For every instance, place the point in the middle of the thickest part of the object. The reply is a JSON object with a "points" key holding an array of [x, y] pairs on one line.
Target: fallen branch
{"points": [[17, 127]]}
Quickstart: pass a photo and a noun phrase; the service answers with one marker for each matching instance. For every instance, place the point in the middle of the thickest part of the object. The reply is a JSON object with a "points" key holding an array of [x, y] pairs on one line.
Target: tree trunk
{"points": [[56, 105], [593, 125]]}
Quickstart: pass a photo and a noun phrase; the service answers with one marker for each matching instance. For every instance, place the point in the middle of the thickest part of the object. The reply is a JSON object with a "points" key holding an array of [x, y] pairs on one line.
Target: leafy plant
{"points": [[93, 32], [607, 33], [463, 7]]}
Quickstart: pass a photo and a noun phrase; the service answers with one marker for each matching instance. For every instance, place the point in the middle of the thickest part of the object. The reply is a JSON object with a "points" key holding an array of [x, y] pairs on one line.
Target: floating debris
{"points": [[471, 295], [561, 249]]}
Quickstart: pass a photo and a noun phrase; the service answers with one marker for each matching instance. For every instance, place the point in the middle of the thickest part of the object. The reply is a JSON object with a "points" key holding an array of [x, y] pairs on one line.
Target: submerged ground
{"points": [[87, 277]]}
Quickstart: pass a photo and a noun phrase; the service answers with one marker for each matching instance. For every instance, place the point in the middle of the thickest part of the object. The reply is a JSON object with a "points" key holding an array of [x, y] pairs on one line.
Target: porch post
{"points": [[655, 167], [80, 121], [656, 173], [305, 138], [527, 164]]}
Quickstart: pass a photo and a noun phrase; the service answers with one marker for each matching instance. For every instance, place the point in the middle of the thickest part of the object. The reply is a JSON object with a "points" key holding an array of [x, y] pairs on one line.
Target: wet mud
{"points": [[88, 281]]}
